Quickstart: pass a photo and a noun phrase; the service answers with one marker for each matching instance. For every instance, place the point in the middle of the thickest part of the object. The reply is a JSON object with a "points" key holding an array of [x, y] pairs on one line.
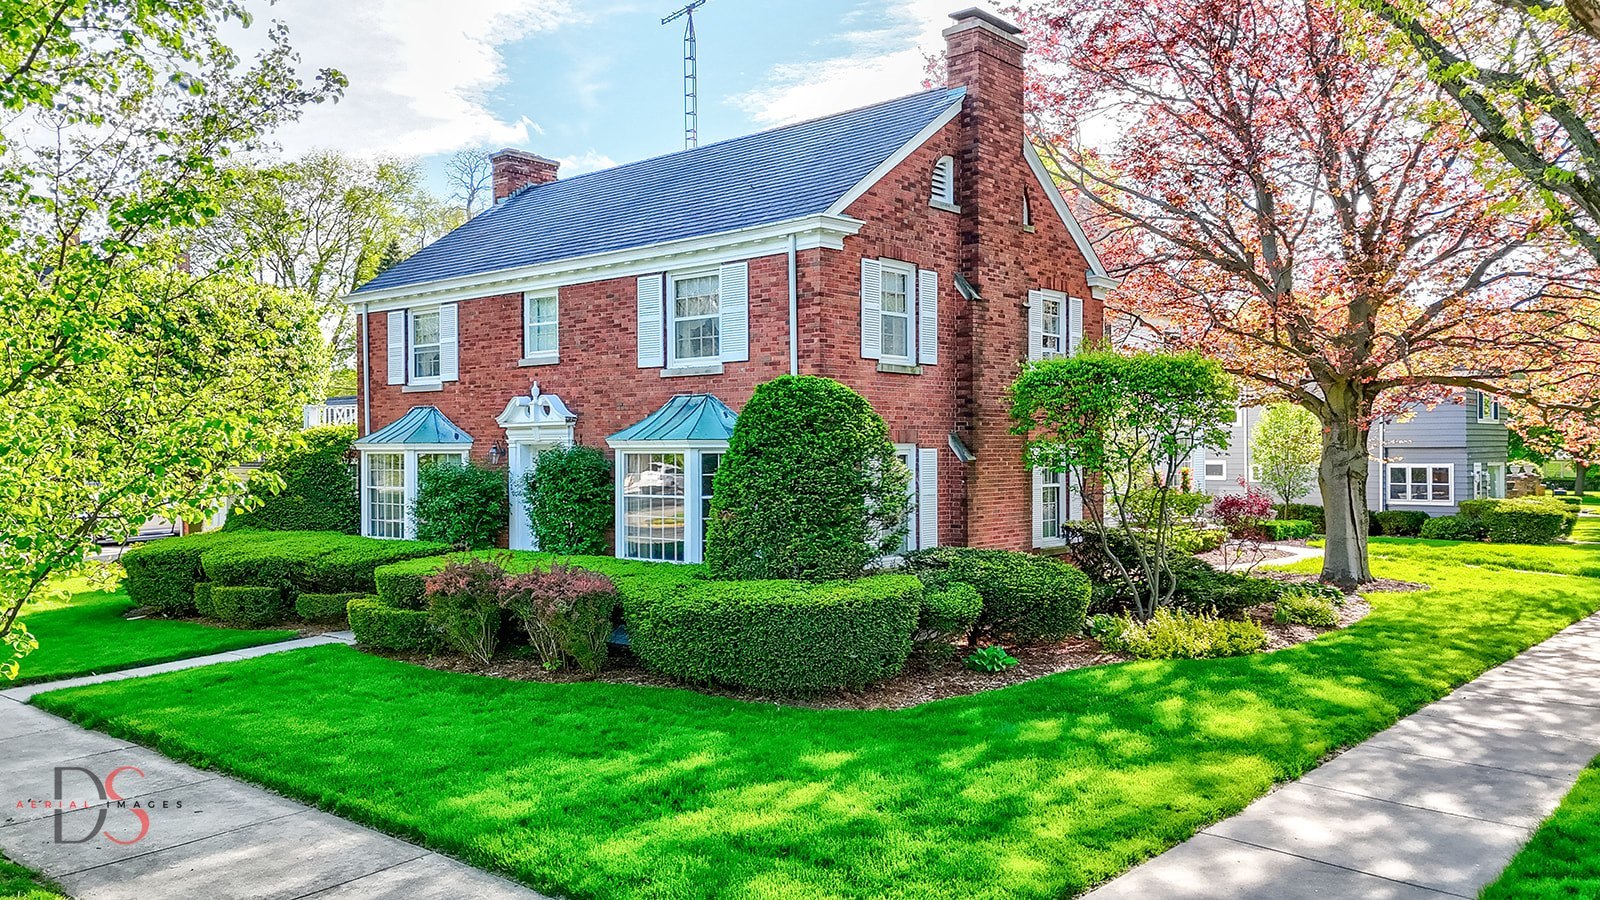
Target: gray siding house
{"points": [[1430, 461]]}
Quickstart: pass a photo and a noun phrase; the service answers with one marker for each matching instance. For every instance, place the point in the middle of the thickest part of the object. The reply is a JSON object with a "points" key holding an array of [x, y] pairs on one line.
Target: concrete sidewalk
{"points": [[207, 835], [1433, 807]]}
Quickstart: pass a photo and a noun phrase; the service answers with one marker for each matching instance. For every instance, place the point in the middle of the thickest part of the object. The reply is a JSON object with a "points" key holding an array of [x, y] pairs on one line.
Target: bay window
{"points": [[664, 502], [386, 495]]}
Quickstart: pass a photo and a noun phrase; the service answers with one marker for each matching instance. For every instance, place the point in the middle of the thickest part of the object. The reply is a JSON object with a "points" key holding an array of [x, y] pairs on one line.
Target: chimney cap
{"points": [[521, 154], [987, 17]]}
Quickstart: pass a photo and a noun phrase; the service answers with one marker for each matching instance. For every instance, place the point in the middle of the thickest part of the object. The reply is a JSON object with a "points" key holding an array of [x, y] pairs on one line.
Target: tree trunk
{"points": [[1342, 476], [1580, 474]]}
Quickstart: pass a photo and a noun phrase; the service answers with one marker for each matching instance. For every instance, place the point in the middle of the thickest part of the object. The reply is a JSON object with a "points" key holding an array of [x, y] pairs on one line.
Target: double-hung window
{"points": [[1420, 484], [1052, 504], [696, 319], [896, 311], [540, 318], [1053, 335], [423, 334]]}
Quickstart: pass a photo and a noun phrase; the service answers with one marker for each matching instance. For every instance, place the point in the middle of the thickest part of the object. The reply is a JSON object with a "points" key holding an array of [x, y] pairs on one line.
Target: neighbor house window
{"points": [[1216, 468], [386, 495], [654, 497], [424, 337], [894, 311], [1420, 484], [695, 318], [539, 317]]}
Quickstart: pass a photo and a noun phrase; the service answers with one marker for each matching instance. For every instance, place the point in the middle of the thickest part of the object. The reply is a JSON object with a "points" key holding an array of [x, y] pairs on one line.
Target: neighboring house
{"points": [[1430, 461], [915, 250], [332, 411]]}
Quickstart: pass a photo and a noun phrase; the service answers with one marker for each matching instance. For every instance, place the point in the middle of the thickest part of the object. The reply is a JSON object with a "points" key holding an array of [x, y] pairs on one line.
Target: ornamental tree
{"points": [[1113, 422], [1286, 447], [1289, 213], [133, 381]]}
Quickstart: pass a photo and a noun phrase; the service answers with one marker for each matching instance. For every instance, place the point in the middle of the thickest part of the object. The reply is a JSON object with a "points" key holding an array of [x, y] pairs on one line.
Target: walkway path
{"points": [[209, 835], [1433, 807]]}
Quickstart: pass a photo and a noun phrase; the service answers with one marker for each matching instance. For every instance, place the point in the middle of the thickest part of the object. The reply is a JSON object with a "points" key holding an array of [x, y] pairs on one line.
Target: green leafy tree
{"points": [[313, 486], [1287, 447], [1111, 421], [570, 505], [810, 486], [135, 380]]}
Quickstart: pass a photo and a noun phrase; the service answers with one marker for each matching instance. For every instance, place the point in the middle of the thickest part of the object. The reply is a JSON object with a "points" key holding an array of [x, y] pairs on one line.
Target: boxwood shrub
{"points": [[202, 600], [786, 636], [1400, 522], [161, 574], [1307, 511], [248, 604], [947, 614], [1025, 597], [324, 607], [1516, 524], [1453, 528], [1287, 529], [382, 627]]}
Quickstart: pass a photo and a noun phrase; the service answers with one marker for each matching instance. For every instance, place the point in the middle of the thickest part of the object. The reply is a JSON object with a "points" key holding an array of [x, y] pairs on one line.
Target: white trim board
{"points": [[898, 157], [1097, 270]]}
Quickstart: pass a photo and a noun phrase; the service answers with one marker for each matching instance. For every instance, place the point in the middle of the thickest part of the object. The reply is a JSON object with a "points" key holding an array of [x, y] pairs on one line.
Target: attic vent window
{"points": [[943, 195], [1027, 212]]}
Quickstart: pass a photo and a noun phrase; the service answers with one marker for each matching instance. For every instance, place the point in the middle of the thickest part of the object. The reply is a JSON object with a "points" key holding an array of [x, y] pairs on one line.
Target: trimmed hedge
{"points": [[382, 627], [1509, 524], [1400, 522], [786, 636], [320, 490], [946, 615], [162, 574], [248, 604], [202, 600], [1309, 512], [1026, 597], [1287, 529], [324, 607], [1453, 528]]}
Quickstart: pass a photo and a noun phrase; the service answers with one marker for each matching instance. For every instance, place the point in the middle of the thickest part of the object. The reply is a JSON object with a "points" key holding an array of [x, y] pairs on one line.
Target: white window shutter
{"points": [[871, 309], [1037, 507], [733, 298], [1075, 507], [927, 497], [1074, 325], [1035, 325], [449, 359], [927, 317], [652, 336], [397, 347]]}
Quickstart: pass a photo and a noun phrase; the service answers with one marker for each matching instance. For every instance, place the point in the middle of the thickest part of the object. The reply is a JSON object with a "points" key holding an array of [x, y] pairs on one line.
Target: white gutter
{"points": [[366, 382], [794, 312]]}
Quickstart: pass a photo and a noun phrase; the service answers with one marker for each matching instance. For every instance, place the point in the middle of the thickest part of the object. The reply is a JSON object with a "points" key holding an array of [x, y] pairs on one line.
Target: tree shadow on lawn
{"points": [[1037, 790]]}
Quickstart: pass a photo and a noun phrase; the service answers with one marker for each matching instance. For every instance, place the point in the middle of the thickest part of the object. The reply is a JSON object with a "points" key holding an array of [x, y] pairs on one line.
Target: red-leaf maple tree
{"points": [[1273, 197]]}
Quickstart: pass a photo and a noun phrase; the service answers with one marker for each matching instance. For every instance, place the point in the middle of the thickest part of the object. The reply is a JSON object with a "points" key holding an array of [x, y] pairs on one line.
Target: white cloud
{"points": [[587, 161], [884, 62], [420, 71]]}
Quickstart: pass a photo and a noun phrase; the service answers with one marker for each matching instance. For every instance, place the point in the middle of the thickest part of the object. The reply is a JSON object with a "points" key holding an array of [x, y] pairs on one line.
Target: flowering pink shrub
{"points": [[566, 612]]}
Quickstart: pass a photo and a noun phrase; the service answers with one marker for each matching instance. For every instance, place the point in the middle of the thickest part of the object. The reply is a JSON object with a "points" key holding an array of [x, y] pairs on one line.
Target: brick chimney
{"points": [[983, 54], [516, 169]]}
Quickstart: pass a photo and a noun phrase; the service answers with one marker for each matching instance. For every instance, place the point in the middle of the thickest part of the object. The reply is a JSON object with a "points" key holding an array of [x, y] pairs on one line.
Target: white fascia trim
{"points": [[666, 446], [824, 230], [412, 448], [1097, 269], [896, 158]]}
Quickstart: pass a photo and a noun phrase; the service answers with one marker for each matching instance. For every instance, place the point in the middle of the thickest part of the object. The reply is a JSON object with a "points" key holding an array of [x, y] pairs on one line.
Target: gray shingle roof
{"points": [[771, 176]]}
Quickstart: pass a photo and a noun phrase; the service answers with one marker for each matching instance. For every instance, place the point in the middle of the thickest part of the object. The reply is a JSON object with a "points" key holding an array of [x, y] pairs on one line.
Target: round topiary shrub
{"points": [[464, 506], [809, 488], [569, 497], [788, 636], [947, 615], [1025, 597], [319, 491]]}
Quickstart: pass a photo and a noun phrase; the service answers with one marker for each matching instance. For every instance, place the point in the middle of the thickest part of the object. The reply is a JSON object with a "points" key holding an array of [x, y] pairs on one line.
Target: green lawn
{"points": [[1039, 790], [17, 883], [1563, 858], [1564, 559], [87, 634]]}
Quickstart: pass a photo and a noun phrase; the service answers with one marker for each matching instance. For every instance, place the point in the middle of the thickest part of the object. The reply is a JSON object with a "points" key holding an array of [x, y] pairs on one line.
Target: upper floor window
{"points": [[540, 320], [1053, 334], [943, 187], [425, 344], [895, 312], [695, 310], [1488, 408]]}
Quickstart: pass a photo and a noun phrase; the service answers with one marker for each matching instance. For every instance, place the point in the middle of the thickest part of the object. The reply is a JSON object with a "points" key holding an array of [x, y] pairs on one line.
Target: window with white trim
{"points": [[540, 323], [1489, 409], [708, 474], [386, 495], [654, 497], [694, 311], [895, 311], [422, 333], [1216, 469], [1054, 333], [1052, 504], [1421, 484]]}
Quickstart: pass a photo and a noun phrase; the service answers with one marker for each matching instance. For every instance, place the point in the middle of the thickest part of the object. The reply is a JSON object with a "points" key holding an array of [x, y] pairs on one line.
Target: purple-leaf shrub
{"points": [[566, 612], [464, 602]]}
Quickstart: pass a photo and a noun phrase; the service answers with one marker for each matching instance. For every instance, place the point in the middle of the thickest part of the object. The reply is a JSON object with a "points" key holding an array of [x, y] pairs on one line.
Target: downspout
{"points": [[794, 312], [366, 382]]}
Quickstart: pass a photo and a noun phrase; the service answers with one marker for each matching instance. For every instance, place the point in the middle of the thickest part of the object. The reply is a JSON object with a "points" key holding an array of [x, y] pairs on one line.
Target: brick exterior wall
{"points": [[981, 345]]}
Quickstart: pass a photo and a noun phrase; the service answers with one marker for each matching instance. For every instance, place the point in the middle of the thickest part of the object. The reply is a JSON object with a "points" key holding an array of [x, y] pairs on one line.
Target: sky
{"points": [[592, 83]]}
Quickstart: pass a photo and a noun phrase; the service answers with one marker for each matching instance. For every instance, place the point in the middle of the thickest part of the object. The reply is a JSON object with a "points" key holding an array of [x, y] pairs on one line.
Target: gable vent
{"points": [[944, 182]]}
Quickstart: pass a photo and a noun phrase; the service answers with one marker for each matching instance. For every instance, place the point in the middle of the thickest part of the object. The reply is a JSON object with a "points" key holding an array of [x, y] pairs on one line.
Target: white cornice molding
{"points": [[1096, 268], [1102, 285], [825, 230], [898, 157]]}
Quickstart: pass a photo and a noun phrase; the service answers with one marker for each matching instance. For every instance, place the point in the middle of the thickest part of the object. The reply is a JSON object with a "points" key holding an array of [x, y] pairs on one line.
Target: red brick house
{"points": [[915, 250]]}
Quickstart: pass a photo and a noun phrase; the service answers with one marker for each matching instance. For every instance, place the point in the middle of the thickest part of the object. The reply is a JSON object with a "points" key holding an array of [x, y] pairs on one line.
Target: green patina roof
{"points": [[422, 425], [686, 417]]}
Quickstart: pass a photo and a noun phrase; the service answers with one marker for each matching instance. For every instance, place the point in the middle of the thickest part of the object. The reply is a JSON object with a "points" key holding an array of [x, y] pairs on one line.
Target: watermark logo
{"points": [[106, 802]]}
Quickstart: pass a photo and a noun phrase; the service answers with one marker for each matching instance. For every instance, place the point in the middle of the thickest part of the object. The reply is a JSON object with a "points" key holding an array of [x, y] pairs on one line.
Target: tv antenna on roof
{"points": [[691, 75]]}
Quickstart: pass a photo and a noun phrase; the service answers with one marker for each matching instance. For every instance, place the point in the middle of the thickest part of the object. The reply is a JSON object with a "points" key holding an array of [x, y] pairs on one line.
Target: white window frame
{"points": [[887, 266], [1221, 475], [412, 346], [1411, 468], [1238, 417], [907, 453], [1051, 480], [370, 496], [694, 520], [532, 324], [411, 464], [673, 359], [1487, 404], [1059, 337]]}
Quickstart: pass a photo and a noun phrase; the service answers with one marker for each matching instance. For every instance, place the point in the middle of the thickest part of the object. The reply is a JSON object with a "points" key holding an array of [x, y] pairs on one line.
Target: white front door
{"points": [[523, 459]]}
